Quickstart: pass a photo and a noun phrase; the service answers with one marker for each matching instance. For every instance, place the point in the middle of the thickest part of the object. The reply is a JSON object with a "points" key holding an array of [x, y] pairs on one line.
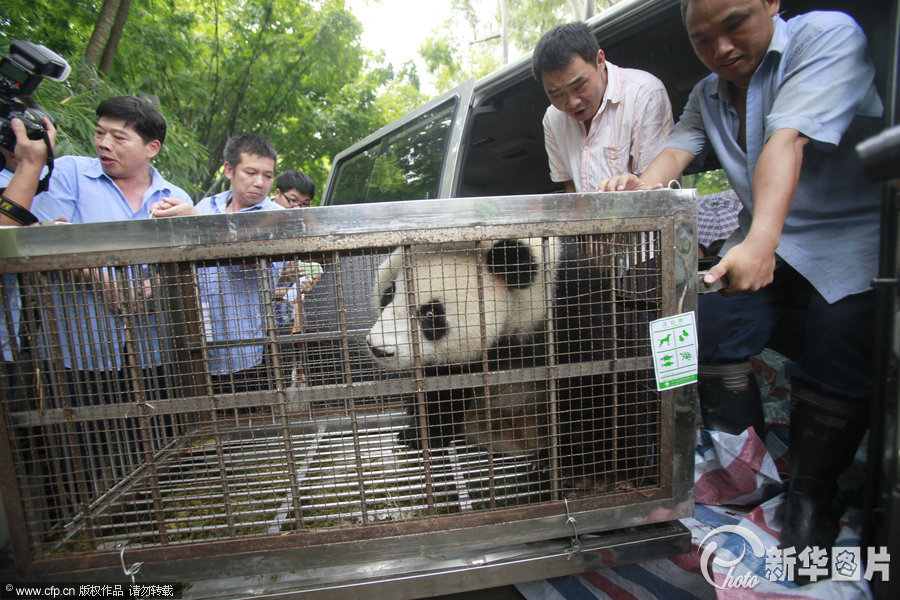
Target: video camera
{"points": [[20, 73]]}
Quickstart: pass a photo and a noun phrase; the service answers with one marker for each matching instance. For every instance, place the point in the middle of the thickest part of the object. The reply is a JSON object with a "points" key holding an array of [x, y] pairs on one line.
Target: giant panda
{"points": [[434, 288]]}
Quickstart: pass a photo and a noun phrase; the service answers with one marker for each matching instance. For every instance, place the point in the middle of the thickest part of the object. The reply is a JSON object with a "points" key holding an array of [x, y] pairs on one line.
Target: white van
{"points": [[485, 138]]}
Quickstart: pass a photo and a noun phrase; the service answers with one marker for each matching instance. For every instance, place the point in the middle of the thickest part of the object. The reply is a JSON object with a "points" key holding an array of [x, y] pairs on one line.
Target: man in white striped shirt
{"points": [[603, 119]]}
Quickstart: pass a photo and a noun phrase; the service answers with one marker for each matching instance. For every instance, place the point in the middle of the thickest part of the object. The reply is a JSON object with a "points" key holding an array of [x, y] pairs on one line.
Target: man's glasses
{"points": [[296, 200]]}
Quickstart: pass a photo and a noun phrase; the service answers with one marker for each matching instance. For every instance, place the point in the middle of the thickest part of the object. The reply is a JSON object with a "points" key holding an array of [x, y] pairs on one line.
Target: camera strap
{"points": [[15, 212]]}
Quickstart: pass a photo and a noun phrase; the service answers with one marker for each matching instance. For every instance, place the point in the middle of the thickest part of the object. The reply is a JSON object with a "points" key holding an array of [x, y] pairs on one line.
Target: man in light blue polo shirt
{"points": [[83, 322], [118, 184], [785, 105], [231, 296]]}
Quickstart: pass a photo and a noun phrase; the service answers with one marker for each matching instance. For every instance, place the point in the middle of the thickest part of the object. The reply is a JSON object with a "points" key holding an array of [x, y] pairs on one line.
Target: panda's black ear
{"points": [[514, 262]]}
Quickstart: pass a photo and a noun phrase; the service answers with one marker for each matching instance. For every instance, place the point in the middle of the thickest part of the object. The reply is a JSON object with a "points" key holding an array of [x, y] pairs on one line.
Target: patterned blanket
{"points": [[739, 490]]}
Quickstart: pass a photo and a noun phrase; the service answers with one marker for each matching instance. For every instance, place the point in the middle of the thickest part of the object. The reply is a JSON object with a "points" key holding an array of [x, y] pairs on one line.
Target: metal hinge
{"points": [[575, 544]]}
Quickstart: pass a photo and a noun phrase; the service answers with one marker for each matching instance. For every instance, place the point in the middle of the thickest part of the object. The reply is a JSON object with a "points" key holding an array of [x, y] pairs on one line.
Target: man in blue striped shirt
{"points": [[783, 109], [232, 295]]}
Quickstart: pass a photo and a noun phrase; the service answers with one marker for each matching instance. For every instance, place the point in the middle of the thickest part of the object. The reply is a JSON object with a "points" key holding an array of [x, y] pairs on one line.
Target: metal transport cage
{"points": [[206, 395]]}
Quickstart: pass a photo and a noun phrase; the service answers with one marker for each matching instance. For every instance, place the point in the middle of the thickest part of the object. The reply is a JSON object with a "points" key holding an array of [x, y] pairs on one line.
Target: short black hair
{"points": [[557, 47], [295, 180], [139, 114], [251, 144], [684, 7]]}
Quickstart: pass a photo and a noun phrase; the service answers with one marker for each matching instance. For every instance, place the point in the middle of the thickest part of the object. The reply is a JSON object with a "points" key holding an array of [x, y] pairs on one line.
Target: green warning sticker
{"points": [[674, 344]]}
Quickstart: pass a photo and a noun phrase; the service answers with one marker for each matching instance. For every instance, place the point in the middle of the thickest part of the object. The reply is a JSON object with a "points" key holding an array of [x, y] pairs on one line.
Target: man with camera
{"points": [[118, 184], [22, 173]]}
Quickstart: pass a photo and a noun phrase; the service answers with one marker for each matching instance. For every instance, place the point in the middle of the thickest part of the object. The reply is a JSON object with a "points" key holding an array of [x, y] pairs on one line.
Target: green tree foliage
{"points": [[400, 95], [461, 48], [529, 19], [64, 26], [470, 44], [290, 70], [708, 182]]}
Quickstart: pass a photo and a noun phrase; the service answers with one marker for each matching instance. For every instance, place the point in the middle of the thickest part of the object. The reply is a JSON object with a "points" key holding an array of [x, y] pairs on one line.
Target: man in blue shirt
{"points": [[18, 182], [8, 169], [119, 184], [294, 189], [83, 320], [231, 295], [783, 109]]}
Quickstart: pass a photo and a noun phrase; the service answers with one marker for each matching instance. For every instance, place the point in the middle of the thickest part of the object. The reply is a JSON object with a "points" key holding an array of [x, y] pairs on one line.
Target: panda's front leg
{"points": [[444, 415]]}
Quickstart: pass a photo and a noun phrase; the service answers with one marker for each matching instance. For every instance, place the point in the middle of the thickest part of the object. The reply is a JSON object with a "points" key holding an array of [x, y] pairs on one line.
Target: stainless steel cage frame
{"points": [[464, 549]]}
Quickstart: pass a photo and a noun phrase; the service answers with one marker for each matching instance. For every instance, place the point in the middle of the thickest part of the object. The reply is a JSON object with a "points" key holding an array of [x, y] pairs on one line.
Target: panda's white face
{"points": [[445, 306]]}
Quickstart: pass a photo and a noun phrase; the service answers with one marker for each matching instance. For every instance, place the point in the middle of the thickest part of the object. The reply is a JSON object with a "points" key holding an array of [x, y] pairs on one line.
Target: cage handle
{"points": [[575, 544], [133, 569]]}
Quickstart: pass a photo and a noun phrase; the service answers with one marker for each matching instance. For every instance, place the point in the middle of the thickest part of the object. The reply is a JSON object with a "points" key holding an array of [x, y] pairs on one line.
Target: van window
{"points": [[405, 165]]}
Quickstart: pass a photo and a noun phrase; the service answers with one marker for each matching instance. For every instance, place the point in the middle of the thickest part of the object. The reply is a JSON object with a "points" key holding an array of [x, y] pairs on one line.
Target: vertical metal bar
{"points": [[267, 310], [78, 457], [200, 362], [617, 241], [621, 243], [350, 404], [132, 365], [213, 412], [419, 374], [9, 285], [360, 473], [279, 408], [190, 339], [16, 516], [551, 371], [485, 367], [164, 279], [671, 303], [38, 293], [342, 323]]}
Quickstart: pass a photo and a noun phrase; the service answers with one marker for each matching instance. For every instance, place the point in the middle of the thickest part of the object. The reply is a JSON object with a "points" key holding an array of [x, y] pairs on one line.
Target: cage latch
{"points": [[133, 569], [575, 544]]}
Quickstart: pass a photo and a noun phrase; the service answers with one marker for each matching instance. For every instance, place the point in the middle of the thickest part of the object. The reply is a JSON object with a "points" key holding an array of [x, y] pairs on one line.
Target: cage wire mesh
{"points": [[202, 400]]}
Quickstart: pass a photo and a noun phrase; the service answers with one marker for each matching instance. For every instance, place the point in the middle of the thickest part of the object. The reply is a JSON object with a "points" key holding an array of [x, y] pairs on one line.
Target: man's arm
{"points": [[172, 207], [668, 165], [32, 156], [751, 264]]}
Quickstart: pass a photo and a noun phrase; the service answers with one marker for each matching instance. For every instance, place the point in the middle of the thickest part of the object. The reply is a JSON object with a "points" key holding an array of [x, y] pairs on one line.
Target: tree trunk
{"points": [[101, 31], [114, 36]]}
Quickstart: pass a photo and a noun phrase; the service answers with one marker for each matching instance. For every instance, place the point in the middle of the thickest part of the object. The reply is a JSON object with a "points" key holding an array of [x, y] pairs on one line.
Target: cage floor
{"points": [[242, 485]]}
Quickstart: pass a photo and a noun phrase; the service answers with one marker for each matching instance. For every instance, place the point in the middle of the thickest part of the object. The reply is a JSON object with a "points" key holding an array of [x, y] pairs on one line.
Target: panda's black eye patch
{"points": [[512, 261], [388, 295], [433, 320]]}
